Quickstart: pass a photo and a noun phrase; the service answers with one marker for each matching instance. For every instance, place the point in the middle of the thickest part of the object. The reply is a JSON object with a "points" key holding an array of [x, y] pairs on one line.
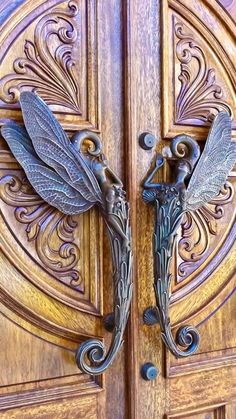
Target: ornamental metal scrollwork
{"points": [[199, 178], [73, 176]]}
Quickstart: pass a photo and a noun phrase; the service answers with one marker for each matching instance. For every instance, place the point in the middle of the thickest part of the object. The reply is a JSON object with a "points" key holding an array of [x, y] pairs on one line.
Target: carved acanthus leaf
{"points": [[51, 231], [200, 97], [197, 227], [48, 65]]}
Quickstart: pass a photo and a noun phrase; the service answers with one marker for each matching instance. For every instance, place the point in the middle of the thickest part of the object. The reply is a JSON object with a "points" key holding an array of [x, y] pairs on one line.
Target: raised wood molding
{"points": [[63, 387], [209, 412]]}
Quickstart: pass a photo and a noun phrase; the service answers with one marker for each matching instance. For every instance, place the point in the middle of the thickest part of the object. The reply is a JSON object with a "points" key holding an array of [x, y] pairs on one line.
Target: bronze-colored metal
{"points": [[74, 180], [171, 201]]}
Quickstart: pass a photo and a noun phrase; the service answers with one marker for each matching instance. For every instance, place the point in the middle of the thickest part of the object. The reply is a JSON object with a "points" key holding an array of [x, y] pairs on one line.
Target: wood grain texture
{"points": [[198, 70], [199, 379], [45, 317], [130, 77], [52, 48], [85, 407]]}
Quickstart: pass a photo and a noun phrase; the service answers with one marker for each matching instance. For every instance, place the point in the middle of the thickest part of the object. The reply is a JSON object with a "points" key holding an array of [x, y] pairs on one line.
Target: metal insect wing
{"points": [[204, 175], [73, 181]]}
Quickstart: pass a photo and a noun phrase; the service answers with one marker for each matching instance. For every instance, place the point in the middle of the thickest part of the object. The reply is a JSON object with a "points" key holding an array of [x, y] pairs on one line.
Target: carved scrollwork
{"points": [[198, 226], [50, 230], [200, 97], [48, 65]]}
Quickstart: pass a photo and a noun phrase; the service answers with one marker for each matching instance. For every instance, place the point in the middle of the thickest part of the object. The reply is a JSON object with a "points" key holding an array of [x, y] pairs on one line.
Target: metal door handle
{"points": [[198, 180], [74, 180]]}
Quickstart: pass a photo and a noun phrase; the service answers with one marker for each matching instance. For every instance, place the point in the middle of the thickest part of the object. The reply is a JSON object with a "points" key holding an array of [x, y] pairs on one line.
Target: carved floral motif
{"points": [[50, 230], [196, 229], [48, 67], [200, 97]]}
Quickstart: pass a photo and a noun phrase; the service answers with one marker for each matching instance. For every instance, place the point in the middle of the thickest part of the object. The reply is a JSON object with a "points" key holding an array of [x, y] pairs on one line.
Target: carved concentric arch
{"points": [[24, 263], [174, 11]]}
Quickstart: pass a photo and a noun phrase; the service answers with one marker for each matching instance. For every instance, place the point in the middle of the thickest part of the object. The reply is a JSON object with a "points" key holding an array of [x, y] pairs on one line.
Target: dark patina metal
{"points": [[147, 141], [74, 176], [198, 180], [149, 372]]}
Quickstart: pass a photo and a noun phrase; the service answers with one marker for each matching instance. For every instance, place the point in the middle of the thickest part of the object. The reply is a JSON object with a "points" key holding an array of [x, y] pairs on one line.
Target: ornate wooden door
{"points": [[119, 68], [56, 277], [183, 74]]}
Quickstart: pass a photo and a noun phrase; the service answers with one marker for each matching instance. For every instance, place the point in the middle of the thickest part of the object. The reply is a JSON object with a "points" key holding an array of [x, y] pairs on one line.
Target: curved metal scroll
{"points": [[93, 349], [73, 176], [194, 187]]}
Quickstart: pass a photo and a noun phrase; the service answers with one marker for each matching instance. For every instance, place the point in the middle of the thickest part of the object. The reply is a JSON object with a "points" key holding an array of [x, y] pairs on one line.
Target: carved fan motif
{"points": [[196, 229], [48, 67], [51, 231], [200, 97]]}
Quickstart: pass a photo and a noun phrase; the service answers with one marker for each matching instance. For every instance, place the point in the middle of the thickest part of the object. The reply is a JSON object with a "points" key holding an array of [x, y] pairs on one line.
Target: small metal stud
{"points": [[149, 371], [150, 316], [109, 322], [147, 141]]}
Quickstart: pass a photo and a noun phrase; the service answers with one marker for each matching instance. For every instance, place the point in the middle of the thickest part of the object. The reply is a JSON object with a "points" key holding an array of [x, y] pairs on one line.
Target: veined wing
{"points": [[47, 183], [214, 165], [54, 148]]}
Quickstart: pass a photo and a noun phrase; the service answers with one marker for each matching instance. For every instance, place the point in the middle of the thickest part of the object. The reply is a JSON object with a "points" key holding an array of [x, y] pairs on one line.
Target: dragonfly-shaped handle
{"points": [[74, 177], [199, 179]]}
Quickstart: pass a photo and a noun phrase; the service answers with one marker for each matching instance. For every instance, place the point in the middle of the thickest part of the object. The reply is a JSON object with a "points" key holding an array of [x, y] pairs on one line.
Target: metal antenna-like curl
{"points": [[80, 136]]}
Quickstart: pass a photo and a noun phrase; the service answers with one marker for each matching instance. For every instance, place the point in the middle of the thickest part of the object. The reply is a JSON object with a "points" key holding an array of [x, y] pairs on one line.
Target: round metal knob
{"points": [[147, 141], [149, 371]]}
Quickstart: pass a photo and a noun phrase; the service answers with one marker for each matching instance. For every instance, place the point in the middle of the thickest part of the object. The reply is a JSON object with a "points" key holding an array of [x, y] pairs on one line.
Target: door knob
{"points": [[198, 179], [74, 180]]}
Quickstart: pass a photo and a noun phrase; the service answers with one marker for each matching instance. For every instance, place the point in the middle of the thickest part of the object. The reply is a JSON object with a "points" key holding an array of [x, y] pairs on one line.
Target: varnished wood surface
{"points": [[127, 61]]}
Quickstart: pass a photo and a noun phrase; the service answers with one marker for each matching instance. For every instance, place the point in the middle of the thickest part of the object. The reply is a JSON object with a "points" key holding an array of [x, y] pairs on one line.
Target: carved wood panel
{"points": [[52, 51], [196, 45], [198, 77], [55, 270], [198, 72]]}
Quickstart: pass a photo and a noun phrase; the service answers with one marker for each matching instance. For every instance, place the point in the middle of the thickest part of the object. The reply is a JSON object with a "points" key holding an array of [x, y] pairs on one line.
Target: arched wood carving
{"points": [[51, 231], [48, 66], [200, 97], [198, 229], [53, 52]]}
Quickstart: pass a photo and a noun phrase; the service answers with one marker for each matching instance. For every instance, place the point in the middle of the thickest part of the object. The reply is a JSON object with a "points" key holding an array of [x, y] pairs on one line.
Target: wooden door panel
{"points": [[195, 44], [217, 345], [120, 69], [85, 407], [56, 275]]}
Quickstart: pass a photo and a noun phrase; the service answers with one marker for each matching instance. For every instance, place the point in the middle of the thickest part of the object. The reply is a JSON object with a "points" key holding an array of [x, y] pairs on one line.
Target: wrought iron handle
{"points": [[198, 180], [74, 176]]}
